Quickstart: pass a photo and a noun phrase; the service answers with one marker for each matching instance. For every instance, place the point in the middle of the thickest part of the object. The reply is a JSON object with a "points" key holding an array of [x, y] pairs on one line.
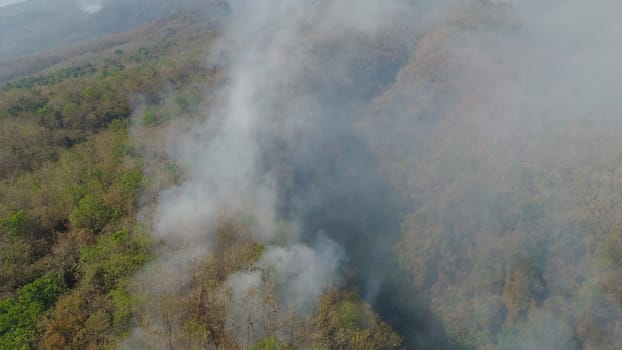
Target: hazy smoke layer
{"points": [[10, 2], [351, 121], [283, 128], [91, 7], [501, 129], [36, 26]]}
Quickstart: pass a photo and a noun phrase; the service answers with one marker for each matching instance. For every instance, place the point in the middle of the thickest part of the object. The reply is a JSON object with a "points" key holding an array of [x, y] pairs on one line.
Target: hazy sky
{"points": [[9, 2]]}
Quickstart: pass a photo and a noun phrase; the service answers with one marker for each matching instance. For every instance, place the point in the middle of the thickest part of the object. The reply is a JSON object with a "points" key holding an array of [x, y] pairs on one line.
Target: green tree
{"points": [[92, 213], [19, 315]]}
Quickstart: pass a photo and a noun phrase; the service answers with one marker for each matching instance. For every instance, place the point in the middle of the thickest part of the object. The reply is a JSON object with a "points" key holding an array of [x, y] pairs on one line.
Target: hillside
{"points": [[79, 167], [36, 26], [315, 175]]}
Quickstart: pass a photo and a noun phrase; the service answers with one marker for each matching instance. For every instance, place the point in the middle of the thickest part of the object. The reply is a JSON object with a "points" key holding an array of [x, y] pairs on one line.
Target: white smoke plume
{"points": [[493, 86], [90, 7], [270, 44]]}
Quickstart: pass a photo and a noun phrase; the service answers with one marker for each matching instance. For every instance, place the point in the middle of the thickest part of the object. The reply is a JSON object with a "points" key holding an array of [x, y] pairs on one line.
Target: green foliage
{"points": [[68, 171], [150, 118], [100, 307], [92, 213], [344, 321], [122, 308], [131, 182], [53, 78], [70, 109], [42, 111], [269, 343], [18, 316], [118, 125], [114, 258], [261, 248], [13, 224], [350, 315]]}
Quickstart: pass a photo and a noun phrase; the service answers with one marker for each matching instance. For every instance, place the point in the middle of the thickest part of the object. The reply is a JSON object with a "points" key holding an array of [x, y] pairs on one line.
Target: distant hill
{"points": [[36, 26], [61, 34]]}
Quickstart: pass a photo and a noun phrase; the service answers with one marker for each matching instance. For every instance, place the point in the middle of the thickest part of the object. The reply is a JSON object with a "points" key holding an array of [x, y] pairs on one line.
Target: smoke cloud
{"points": [[245, 157], [91, 7], [454, 139]]}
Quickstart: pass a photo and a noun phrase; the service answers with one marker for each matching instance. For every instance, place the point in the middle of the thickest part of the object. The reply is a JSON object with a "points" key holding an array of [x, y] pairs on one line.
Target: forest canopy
{"points": [[314, 175]]}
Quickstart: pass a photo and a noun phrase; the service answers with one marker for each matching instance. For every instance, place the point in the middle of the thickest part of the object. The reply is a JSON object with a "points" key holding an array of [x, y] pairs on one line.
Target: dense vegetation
{"points": [[72, 185], [506, 240], [515, 213], [69, 190]]}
